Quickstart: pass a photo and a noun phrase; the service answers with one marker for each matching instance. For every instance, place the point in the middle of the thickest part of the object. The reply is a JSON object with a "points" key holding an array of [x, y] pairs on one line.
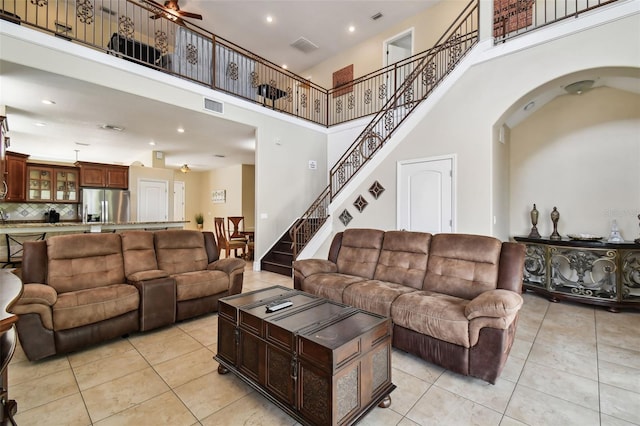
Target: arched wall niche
{"points": [[577, 152]]}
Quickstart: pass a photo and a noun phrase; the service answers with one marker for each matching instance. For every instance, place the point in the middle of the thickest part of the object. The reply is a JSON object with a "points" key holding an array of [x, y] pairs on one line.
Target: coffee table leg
{"points": [[222, 370], [386, 402]]}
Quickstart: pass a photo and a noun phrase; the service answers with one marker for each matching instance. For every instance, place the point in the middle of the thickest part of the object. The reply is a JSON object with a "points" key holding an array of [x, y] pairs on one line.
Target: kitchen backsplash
{"points": [[33, 211]]}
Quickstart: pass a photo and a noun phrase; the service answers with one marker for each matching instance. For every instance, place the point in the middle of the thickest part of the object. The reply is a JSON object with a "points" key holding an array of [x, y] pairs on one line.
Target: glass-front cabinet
{"points": [[66, 181], [56, 184], [593, 272], [40, 183]]}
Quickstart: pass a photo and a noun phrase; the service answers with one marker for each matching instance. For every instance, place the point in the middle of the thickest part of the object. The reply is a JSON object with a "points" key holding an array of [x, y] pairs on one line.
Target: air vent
{"points": [[304, 45], [377, 16], [213, 106]]}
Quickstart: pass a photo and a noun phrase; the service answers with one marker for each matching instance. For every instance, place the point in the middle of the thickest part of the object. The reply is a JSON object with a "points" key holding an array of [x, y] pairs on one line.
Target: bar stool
{"points": [[14, 246]]}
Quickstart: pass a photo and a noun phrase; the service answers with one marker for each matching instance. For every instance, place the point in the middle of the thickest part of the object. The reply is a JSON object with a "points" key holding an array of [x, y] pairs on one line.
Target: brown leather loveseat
{"points": [[82, 289], [453, 298]]}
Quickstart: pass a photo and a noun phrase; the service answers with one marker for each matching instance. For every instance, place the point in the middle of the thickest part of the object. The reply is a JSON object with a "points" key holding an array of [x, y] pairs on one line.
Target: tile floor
{"points": [[570, 365]]}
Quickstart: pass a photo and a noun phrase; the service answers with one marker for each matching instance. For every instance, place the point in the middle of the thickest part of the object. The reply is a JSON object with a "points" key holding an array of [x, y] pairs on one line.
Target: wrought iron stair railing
{"points": [[430, 69]]}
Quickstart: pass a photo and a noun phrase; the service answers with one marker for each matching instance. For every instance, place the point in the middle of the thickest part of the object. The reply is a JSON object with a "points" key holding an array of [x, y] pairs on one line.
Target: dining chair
{"points": [[225, 243], [235, 227]]}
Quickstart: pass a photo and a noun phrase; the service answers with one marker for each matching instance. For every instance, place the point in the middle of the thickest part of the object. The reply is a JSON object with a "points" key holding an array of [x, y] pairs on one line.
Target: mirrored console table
{"points": [[592, 272]]}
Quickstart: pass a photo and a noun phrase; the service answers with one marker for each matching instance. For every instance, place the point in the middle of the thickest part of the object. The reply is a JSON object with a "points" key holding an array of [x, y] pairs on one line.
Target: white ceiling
{"points": [[81, 108]]}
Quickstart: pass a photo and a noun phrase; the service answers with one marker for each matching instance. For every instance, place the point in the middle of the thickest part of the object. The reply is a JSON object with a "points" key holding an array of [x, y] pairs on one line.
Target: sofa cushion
{"points": [[138, 251], [374, 296], [462, 265], [403, 259], [84, 261], [88, 306], [435, 314], [180, 251], [330, 286], [359, 252], [193, 285]]}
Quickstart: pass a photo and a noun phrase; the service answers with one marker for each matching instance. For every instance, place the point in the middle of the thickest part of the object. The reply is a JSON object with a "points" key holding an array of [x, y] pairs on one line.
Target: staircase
{"points": [[429, 69], [280, 258]]}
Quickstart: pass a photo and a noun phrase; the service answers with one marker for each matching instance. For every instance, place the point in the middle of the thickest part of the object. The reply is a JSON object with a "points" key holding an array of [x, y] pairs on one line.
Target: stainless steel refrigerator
{"points": [[105, 205]]}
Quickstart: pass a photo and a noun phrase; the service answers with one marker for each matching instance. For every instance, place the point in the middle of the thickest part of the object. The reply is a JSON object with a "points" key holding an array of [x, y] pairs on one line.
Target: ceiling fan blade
{"points": [[190, 15]]}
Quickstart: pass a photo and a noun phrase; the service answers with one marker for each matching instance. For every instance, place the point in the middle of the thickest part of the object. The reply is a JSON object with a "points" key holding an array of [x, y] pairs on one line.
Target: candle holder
{"points": [[534, 221], [555, 216]]}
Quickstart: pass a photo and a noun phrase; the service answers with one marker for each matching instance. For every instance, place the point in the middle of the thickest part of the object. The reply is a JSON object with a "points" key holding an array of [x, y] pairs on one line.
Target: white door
{"points": [[397, 48], [153, 201], [178, 200], [425, 195]]}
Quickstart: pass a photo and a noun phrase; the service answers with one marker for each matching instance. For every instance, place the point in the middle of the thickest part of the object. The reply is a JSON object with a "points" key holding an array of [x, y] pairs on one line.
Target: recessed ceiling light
{"points": [[352, 28], [152, 143], [284, 66], [180, 130], [82, 143], [269, 18], [219, 155], [529, 106], [48, 102], [40, 124]]}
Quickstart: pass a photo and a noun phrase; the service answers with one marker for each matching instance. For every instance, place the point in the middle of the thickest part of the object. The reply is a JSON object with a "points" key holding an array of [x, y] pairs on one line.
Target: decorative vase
{"points": [[534, 221], [199, 226], [555, 216]]}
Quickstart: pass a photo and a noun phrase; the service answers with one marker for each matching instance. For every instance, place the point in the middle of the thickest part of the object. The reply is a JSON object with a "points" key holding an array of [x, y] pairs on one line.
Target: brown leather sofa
{"points": [[82, 289], [453, 298]]}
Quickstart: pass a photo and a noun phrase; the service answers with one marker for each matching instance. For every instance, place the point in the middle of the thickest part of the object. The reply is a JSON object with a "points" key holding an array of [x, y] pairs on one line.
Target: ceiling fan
{"points": [[172, 11]]}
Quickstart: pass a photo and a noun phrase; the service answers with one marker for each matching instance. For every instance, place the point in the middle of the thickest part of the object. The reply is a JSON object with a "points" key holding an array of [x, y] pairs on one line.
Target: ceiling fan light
{"points": [[185, 168]]}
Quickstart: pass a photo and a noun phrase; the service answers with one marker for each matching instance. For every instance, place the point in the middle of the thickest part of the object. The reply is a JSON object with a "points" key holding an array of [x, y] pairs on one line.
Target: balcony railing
{"points": [[138, 31], [512, 18]]}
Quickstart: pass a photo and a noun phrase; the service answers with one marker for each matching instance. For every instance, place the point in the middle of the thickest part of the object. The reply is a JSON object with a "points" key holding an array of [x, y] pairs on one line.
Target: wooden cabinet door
{"points": [[117, 177], [16, 169], [41, 185], [92, 175]]}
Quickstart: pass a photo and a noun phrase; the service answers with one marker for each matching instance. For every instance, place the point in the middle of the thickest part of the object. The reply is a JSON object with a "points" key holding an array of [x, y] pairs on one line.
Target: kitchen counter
{"points": [[29, 227]]}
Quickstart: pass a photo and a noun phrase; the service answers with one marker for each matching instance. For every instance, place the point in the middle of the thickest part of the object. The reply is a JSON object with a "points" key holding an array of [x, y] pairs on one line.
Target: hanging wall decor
{"points": [[219, 196]]}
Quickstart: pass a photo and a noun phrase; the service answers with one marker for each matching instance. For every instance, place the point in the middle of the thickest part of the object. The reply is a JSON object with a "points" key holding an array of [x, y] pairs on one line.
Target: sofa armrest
{"points": [[40, 294], [147, 275], [227, 265], [309, 267], [495, 304]]}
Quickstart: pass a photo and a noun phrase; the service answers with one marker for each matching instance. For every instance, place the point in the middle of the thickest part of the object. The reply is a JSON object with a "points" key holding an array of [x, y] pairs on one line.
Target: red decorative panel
{"points": [[341, 78], [511, 15]]}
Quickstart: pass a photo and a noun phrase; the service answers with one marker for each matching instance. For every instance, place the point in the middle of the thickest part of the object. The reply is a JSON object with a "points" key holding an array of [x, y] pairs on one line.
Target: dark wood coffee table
{"points": [[324, 363]]}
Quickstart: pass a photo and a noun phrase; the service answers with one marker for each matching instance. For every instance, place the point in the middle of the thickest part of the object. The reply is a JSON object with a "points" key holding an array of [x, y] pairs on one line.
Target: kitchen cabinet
{"points": [[40, 181], [3, 166], [15, 176], [103, 175], [66, 184]]}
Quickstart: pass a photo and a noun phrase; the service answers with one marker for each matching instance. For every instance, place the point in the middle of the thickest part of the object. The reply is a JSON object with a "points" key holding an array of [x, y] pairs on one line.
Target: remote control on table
{"points": [[278, 304]]}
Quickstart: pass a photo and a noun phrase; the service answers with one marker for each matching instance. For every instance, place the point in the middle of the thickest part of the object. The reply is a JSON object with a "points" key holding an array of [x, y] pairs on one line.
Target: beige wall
{"points": [[192, 196], [463, 123], [249, 196], [580, 153], [368, 56]]}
